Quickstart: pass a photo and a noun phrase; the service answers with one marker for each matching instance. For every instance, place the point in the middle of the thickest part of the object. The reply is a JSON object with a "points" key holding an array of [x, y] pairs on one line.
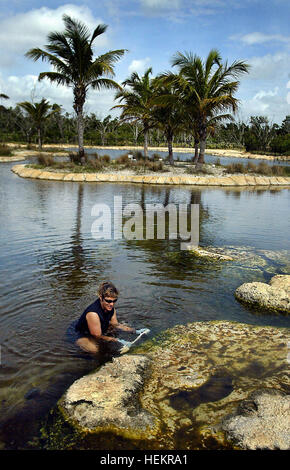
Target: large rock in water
{"points": [[273, 296], [177, 390], [262, 422], [106, 400]]}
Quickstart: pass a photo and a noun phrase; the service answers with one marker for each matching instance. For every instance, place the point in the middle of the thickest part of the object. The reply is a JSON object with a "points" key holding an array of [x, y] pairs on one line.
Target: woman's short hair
{"points": [[108, 289]]}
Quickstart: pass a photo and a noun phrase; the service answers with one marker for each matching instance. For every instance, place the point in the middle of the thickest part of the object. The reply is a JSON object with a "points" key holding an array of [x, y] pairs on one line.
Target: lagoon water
{"points": [[51, 266]]}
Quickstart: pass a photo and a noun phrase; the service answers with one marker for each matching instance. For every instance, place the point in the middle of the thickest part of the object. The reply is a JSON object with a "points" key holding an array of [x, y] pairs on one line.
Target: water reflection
{"points": [[51, 267]]}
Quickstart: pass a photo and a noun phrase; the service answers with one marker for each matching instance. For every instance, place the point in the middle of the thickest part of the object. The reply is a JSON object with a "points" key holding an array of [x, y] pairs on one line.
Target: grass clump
{"points": [[198, 170], [148, 166], [261, 169], [45, 160], [264, 169], [5, 151], [236, 168]]}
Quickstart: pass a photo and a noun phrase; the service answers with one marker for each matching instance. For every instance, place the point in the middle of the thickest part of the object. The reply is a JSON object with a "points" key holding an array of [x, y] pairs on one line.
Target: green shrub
{"points": [[281, 144], [251, 142]]}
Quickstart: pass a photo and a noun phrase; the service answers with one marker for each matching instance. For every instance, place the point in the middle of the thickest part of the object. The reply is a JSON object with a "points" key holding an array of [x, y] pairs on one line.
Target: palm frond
{"points": [[104, 83], [58, 78], [100, 29]]}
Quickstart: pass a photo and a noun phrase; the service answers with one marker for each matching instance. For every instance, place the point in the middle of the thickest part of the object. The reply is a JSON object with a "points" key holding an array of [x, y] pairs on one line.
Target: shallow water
{"points": [[51, 267]]}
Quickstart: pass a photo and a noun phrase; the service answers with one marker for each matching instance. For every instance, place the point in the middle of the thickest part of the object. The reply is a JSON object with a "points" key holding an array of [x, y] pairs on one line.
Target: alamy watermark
{"points": [[132, 222]]}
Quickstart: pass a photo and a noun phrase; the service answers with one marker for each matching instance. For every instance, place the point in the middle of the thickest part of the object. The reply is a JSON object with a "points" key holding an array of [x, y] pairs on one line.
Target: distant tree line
{"points": [[259, 135]]}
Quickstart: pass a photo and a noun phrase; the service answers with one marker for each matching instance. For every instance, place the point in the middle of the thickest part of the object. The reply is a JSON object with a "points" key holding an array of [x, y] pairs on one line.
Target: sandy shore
{"points": [[217, 152]]}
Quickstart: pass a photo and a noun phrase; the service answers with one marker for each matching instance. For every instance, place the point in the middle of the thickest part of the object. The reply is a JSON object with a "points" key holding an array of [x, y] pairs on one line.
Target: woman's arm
{"points": [[114, 322], [95, 329]]}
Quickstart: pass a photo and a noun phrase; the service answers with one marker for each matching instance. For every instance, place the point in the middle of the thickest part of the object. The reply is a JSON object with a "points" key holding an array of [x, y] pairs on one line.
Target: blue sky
{"points": [[153, 30]]}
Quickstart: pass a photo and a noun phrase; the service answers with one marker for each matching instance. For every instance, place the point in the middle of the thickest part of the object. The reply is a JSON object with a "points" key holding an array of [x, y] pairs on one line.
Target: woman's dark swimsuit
{"points": [[79, 328], [105, 318]]}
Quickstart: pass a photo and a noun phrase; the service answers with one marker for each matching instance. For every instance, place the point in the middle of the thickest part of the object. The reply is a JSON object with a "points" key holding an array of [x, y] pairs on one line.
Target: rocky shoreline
{"points": [[153, 178]]}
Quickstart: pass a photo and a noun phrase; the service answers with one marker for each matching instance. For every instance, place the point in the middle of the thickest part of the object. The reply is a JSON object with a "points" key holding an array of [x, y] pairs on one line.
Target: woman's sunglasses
{"points": [[109, 301]]}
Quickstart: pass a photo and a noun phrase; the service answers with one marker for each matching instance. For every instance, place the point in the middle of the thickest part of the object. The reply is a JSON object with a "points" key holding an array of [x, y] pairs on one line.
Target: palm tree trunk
{"points": [[79, 100], [170, 150], [80, 128], [201, 152], [196, 144], [39, 138], [145, 143], [202, 144]]}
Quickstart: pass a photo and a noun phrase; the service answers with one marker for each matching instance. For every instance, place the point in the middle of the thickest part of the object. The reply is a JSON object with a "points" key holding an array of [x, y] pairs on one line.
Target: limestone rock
{"points": [[204, 370], [107, 399], [178, 388], [274, 296], [208, 254], [262, 422]]}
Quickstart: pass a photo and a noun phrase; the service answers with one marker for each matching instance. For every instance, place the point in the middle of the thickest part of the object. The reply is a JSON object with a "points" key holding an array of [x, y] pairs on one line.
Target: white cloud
{"points": [[260, 38], [139, 66], [262, 94], [270, 103], [269, 67], [161, 4], [288, 94], [23, 31]]}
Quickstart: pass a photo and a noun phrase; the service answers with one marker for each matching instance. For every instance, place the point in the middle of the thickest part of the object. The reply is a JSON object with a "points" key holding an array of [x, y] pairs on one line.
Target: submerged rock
{"points": [[208, 254], [274, 296], [177, 390], [262, 422]]}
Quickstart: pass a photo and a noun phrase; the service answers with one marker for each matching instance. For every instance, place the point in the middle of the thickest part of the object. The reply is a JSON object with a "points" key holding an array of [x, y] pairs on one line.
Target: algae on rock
{"points": [[183, 384], [204, 370]]}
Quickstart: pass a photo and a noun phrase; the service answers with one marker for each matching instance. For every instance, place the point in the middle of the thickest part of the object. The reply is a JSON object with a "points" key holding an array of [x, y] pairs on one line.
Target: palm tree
{"points": [[138, 102], [71, 55], [168, 112], [39, 112], [207, 90]]}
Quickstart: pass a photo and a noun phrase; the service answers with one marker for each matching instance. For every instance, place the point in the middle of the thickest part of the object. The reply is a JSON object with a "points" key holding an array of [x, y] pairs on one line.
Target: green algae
{"points": [[200, 373]]}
